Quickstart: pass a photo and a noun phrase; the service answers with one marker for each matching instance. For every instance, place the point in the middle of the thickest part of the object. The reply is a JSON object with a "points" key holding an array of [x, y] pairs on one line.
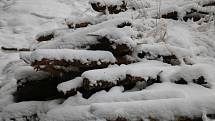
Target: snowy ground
{"points": [[22, 20]]}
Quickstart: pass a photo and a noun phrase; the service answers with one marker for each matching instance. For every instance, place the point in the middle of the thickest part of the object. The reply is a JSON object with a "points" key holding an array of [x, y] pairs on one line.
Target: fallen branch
{"points": [[15, 49]]}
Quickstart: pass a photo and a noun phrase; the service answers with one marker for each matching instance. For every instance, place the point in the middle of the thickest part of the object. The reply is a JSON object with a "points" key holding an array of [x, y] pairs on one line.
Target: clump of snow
{"points": [[73, 113], [148, 71], [75, 20], [25, 56], [28, 73], [84, 56], [25, 109], [139, 4], [69, 85]]}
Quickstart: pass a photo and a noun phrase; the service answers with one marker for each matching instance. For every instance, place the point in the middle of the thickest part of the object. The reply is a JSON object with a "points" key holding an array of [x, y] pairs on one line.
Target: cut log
{"points": [[124, 24], [194, 16], [32, 85], [49, 35], [70, 88], [197, 73], [80, 39], [46, 36], [165, 53], [118, 50], [117, 40], [171, 15], [209, 3], [200, 80], [112, 8], [104, 79], [29, 88], [58, 60], [190, 11], [72, 25]]}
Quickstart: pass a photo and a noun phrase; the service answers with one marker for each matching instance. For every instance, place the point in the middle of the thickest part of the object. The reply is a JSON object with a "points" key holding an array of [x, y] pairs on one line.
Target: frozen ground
{"points": [[22, 20]]}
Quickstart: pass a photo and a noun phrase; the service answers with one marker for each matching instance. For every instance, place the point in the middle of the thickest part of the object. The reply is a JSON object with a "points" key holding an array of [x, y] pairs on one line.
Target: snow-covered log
{"points": [[201, 74], [163, 52], [206, 3], [171, 15], [49, 35], [118, 94], [117, 40], [187, 11], [178, 109], [52, 60], [111, 6], [70, 88], [104, 79], [32, 85], [80, 38]]}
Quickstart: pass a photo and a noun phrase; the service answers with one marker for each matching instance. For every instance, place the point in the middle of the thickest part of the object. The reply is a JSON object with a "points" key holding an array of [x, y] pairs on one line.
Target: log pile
{"points": [[111, 57]]}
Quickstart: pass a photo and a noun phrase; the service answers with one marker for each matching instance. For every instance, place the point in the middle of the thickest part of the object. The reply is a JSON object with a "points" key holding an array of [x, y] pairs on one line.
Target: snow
{"points": [[25, 56], [148, 71], [76, 113], [25, 109], [117, 94], [84, 56], [28, 73], [69, 85], [162, 109]]}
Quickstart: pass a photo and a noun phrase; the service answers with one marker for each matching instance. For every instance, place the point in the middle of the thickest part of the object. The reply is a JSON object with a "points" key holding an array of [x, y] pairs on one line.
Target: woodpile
{"points": [[112, 59]]}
